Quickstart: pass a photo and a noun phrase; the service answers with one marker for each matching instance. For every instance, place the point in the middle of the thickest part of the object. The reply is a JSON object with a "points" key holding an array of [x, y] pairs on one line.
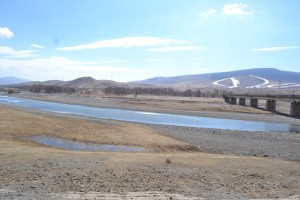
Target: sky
{"points": [[127, 40]]}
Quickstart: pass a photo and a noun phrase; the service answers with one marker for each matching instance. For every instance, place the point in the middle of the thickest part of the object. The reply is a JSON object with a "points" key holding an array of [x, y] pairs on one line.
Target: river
{"points": [[150, 117]]}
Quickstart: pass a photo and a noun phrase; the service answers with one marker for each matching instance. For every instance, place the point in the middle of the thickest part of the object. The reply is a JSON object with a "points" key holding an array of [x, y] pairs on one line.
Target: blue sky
{"points": [[127, 40]]}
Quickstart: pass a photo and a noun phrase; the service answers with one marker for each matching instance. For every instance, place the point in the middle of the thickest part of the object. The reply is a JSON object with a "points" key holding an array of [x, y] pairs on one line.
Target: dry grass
{"points": [[17, 124]]}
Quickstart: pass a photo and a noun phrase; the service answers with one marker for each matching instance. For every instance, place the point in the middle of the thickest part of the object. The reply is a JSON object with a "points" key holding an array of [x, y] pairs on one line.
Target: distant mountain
{"points": [[12, 80], [83, 83], [89, 82], [250, 78]]}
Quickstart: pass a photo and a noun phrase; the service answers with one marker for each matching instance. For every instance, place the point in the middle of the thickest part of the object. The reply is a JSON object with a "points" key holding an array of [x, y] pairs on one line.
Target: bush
{"points": [[168, 161]]}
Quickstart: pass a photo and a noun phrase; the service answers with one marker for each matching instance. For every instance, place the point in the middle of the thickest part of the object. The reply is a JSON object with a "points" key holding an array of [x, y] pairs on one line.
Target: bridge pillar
{"points": [[227, 99], [271, 105], [253, 102], [295, 109], [233, 100], [242, 101]]}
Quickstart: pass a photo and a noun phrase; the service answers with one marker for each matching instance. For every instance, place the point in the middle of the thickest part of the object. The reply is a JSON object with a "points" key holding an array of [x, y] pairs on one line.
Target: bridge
{"points": [[270, 101]]}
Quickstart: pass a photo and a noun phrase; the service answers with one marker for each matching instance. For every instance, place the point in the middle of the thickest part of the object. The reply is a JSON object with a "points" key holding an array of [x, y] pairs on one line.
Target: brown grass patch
{"points": [[17, 123]]}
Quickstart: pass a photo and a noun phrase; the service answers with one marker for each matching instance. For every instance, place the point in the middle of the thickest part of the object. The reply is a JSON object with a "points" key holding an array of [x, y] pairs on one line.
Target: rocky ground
{"points": [[247, 143], [41, 173], [224, 165]]}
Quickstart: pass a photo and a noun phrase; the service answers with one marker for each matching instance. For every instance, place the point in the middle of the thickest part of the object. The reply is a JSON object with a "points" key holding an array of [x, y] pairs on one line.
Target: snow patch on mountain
{"points": [[284, 85], [234, 81], [266, 82]]}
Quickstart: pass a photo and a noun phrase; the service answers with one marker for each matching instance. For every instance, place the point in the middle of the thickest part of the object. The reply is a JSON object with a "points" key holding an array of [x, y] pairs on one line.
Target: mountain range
{"points": [[250, 78], [82, 83]]}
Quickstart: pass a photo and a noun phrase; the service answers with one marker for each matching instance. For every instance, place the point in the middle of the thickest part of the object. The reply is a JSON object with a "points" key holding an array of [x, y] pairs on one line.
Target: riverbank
{"points": [[20, 123]]}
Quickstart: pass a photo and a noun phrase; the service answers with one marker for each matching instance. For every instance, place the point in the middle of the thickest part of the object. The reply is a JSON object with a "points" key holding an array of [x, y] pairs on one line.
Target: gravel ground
{"points": [[246, 143], [93, 178]]}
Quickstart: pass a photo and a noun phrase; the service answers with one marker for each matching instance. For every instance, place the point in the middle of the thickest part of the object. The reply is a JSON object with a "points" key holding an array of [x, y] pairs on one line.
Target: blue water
{"points": [[150, 118], [81, 146]]}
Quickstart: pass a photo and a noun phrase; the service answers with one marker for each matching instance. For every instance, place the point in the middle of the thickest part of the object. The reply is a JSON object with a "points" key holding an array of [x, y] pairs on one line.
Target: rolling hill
{"points": [[250, 78], [82, 83]]}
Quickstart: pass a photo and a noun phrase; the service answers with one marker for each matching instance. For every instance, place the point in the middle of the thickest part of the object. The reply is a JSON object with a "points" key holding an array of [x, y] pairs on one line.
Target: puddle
{"points": [[81, 146]]}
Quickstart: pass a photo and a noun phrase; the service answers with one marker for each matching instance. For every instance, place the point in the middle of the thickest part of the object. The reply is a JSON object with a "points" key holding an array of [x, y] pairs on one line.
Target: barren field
{"points": [[172, 166]]}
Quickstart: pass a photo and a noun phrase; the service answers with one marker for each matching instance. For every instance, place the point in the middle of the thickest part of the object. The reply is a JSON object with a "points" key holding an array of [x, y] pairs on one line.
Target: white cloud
{"points": [[6, 33], [10, 52], [56, 67], [271, 49], [208, 13], [236, 9], [177, 48], [125, 42], [37, 46]]}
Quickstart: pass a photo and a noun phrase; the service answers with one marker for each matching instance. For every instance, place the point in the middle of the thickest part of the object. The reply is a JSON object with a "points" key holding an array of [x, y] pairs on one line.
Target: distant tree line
{"points": [[119, 91], [39, 88], [159, 92]]}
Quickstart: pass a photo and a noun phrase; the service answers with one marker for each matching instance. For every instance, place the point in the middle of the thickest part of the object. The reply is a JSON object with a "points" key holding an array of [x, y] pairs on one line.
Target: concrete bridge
{"points": [[270, 102]]}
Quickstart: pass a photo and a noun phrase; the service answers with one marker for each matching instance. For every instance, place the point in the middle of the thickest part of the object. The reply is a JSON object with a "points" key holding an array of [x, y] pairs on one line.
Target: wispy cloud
{"points": [[57, 67], [6, 33], [271, 49], [208, 13], [236, 9], [38, 46], [177, 48], [10, 52], [125, 42]]}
